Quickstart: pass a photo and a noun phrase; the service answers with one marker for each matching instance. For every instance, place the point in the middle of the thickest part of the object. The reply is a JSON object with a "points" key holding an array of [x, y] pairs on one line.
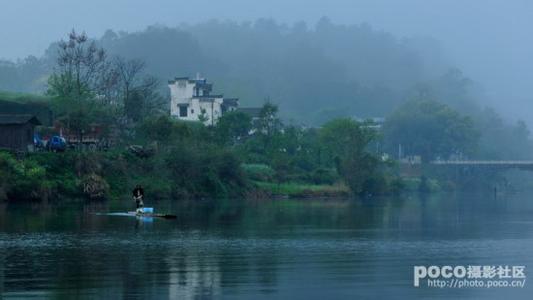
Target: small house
{"points": [[191, 100], [16, 132]]}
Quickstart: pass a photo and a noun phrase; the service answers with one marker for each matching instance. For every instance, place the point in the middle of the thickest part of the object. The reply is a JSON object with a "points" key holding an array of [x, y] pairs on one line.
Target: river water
{"points": [[281, 249]]}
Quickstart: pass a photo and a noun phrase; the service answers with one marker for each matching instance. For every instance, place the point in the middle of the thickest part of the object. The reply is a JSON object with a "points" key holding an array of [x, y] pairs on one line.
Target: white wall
{"points": [[181, 92]]}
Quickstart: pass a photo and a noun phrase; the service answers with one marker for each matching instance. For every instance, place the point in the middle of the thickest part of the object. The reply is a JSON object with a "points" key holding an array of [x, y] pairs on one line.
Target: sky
{"points": [[490, 40]]}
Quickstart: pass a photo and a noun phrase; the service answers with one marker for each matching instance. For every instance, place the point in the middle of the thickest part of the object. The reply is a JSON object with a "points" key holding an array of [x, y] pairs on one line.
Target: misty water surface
{"points": [[261, 249]]}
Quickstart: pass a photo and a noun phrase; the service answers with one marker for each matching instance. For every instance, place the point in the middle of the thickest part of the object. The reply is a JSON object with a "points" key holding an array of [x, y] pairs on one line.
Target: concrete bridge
{"points": [[499, 164]]}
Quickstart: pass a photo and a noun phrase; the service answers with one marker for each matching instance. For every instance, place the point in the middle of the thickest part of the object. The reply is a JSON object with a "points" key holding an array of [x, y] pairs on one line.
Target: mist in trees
{"points": [[314, 72], [430, 129], [87, 86], [345, 144], [302, 67]]}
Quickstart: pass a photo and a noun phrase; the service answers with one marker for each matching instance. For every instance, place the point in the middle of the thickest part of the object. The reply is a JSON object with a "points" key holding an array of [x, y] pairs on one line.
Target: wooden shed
{"points": [[16, 132]]}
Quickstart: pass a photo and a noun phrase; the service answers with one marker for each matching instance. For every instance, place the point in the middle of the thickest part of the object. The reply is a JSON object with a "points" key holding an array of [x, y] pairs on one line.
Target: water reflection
{"points": [[306, 248]]}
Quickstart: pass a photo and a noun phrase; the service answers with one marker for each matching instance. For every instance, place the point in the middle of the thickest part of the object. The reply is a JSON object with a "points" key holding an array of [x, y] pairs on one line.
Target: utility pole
{"points": [[399, 151]]}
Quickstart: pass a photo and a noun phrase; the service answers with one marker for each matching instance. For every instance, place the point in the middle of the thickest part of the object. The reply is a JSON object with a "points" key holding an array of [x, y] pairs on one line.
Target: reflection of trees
{"points": [[193, 273], [3, 216], [217, 247], [3, 219], [234, 266], [2, 268], [266, 268], [238, 244]]}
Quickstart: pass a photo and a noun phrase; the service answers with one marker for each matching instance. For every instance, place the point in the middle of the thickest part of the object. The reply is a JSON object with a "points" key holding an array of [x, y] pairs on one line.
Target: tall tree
{"points": [[233, 127], [136, 90], [430, 129], [79, 69], [345, 144]]}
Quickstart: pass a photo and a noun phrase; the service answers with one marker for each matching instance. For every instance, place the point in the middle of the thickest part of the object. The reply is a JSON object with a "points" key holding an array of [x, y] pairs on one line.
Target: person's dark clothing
{"points": [[138, 195], [138, 192]]}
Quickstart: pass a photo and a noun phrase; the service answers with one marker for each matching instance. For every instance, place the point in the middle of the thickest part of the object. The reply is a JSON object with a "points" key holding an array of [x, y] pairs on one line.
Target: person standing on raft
{"points": [[138, 197]]}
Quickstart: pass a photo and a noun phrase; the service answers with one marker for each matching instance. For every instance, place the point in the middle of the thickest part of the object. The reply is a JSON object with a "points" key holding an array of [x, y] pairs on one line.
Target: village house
{"points": [[191, 100], [16, 132]]}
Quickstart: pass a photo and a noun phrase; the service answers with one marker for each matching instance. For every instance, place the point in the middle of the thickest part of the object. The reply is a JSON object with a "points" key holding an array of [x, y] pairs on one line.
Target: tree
{"points": [[90, 88], [163, 129], [134, 90], [129, 72], [233, 127], [345, 144], [81, 76], [79, 69], [143, 100], [268, 122], [430, 129]]}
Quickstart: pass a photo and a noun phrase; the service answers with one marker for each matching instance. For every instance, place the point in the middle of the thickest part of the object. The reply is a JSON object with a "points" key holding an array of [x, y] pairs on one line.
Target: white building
{"points": [[191, 100]]}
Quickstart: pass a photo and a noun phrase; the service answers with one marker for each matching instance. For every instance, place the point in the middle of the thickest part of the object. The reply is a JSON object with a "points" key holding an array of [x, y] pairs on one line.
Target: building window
{"points": [[183, 111], [192, 111]]}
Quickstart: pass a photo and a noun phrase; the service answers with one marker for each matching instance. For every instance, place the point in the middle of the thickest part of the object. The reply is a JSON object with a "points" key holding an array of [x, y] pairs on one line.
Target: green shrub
{"points": [[22, 179], [258, 172], [324, 176], [157, 188], [204, 172]]}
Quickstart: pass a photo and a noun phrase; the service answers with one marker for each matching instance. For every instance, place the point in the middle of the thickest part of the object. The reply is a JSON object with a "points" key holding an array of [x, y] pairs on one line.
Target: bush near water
{"points": [[189, 160]]}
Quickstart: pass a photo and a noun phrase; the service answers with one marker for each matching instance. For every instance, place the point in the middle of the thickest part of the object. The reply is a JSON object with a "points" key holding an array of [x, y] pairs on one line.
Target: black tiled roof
{"points": [[18, 119], [231, 101], [208, 96]]}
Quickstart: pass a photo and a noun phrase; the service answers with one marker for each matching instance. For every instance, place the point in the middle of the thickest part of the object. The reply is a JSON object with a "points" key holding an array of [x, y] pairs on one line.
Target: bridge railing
{"points": [[483, 162]]}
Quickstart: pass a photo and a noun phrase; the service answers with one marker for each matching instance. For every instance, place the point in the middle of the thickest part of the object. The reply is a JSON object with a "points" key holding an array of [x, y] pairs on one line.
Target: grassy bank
{"points": [[179, 174], [302, 190], [188, 160], [171, 173]]}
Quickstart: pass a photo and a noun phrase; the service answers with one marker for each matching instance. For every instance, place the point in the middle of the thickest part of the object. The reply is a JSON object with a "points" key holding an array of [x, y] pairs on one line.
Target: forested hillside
{"points": [[362, 71], [313, 72]]}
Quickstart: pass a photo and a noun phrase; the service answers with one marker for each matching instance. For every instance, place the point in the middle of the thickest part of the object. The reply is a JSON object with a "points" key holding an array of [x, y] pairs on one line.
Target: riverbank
{"points": [[302, 190], [46, 176], [177, 174]]}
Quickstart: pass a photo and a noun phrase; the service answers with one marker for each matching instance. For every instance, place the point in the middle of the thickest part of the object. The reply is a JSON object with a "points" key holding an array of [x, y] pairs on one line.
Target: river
{"points": [[282, 249]]}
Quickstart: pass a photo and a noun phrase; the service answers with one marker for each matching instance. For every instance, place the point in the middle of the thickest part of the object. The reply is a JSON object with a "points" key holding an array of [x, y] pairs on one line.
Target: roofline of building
{"points": [[172, 81], [208, 96], [22, 119], [230, 102], [188, 79]]}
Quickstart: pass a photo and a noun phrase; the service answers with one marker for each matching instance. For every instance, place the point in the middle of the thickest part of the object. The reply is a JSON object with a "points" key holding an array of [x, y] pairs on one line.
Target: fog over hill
{"points": [[313, 71], [488, 40]]}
